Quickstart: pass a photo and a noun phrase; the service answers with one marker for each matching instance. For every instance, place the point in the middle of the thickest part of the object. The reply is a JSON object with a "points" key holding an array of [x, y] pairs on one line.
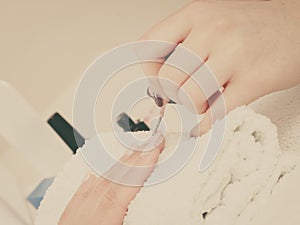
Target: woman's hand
{"points": [[251, 47], [102, 202]]}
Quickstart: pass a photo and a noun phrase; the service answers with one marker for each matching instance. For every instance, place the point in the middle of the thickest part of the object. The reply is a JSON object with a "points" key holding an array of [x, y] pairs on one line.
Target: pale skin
{"points": [[253, 49], [99, 201]]}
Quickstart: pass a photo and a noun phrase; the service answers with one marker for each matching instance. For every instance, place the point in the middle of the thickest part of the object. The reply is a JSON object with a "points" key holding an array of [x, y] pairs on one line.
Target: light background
{"points": [[45, 46]]}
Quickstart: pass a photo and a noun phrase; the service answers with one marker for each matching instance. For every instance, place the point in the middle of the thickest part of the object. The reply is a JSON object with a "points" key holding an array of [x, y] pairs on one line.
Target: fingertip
{"points": [[195, 131], [158, 141], [203, 127], [89, 177], [162, 143]]}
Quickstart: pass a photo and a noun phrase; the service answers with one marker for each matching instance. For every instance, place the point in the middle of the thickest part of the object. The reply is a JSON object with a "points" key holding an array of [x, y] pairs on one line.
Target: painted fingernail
{"points": [[159, 101]]}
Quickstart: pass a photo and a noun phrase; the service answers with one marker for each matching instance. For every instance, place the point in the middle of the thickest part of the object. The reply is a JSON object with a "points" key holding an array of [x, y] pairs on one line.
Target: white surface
{"points": [[244, 170], [13, 208], [28, 149], [283, 108], [283, 208], [28, 137], [46, 46]]}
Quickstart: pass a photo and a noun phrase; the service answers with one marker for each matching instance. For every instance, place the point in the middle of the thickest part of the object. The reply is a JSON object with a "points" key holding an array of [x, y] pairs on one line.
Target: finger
{"points": [[117, 198], [240, 92], [180, 65], [142, 165], [115, 173], [79, 198], [161, 40], [129, 159], [188, 57], [215, 110], [121, 171], [100, 196], [200, 41], [196, 91], [134, 147], [84, 189], [172, 29], [235, 94]]}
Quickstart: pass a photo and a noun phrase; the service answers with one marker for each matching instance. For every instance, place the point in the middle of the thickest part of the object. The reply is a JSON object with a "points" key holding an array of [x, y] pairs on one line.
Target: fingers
{"points": [[176, 70], [196, 91], [139, 165], [208, 78], [84, 187], [101, 201], [180, 65], [131, 162], [161, 40]]}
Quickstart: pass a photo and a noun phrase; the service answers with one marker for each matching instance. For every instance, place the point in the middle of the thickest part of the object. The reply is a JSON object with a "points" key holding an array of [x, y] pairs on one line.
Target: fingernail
{"points": [[153, 142], [87, 177], [159, 101], [147, 145], [195, 132], [186, 136], [128, 152]]}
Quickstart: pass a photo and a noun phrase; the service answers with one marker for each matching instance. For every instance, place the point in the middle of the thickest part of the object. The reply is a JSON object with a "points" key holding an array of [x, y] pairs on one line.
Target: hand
{"points": [[251, 47], [102, 202]]}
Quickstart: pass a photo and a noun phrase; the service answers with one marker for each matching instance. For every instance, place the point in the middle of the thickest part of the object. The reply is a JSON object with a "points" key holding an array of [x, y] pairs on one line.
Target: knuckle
{"points": [[223, 23], [111, 200], [198, 3], [198, 7]]}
